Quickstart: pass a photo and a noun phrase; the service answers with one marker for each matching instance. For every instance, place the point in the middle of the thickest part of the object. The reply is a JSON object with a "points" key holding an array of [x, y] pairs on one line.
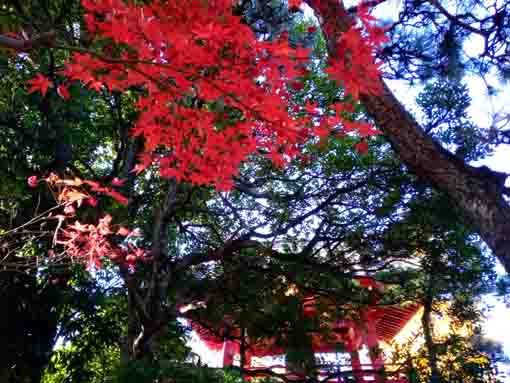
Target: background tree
{"points": [[479, 192], [448, 277]]}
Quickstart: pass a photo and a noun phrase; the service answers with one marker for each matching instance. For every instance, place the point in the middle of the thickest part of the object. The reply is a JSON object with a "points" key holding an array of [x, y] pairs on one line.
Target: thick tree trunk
{"points": [[477, 191], [148, 316]]}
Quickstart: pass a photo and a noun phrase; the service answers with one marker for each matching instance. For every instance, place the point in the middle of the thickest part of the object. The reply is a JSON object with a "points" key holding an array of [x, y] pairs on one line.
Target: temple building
{"points": [[352, 352]]}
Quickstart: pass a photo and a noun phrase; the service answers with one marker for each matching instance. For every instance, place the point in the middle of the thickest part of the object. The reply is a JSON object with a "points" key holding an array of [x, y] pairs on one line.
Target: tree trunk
{"points": [[28, 328], [147, 321], [477, 191], [300, 356], [435, 376]]}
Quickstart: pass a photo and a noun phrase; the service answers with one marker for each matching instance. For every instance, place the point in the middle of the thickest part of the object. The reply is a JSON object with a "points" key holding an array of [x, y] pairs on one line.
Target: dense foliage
{"points": [[221, 153]]}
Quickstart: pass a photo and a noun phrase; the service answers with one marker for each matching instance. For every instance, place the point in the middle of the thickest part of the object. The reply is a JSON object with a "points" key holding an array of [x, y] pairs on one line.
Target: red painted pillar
{"points": [[247, 365], [247, 359], [356, 367], [373, 343], [229, 350]]}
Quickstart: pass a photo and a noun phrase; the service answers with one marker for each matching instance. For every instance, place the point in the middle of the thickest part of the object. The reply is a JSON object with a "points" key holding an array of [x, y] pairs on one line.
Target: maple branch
{"points": [[226, 250], [134, 294], [131, 64], [160, 276], [43, 215], [44, 40]]}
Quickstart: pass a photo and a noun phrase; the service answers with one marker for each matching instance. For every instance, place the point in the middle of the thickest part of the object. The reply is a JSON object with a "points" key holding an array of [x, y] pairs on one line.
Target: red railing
{"points": [[334, 374]]}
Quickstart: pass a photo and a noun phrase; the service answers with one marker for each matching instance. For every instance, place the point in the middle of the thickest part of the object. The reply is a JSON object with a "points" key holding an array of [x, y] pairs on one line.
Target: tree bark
{"points": [[435, 376], [46, 39], [479, 192]]}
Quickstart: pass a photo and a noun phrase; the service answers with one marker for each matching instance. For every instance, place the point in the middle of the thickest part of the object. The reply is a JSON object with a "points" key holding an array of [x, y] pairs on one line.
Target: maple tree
{"points": [[211, 91], [227, 98], [199, 52]]}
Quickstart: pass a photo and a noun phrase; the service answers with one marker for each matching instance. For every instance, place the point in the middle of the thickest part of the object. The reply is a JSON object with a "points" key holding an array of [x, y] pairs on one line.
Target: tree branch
{"points": [[44, 40]]}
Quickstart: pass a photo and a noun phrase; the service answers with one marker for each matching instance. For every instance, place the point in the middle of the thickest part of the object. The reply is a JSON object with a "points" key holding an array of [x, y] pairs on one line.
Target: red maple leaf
{"points": [[63, 92], [96, 85], [118, 181], [294, 4], [39, 84], [205, 52], [33, 181], [118, 196], [362, 147], [208, 52]]}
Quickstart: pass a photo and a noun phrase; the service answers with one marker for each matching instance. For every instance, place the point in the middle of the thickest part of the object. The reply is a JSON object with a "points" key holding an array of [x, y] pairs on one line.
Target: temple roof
{"points": [[393, 319]]}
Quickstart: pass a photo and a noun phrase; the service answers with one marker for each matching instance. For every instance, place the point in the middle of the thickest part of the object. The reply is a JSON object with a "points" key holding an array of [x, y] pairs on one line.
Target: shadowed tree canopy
{"points": [[334, 212]]}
